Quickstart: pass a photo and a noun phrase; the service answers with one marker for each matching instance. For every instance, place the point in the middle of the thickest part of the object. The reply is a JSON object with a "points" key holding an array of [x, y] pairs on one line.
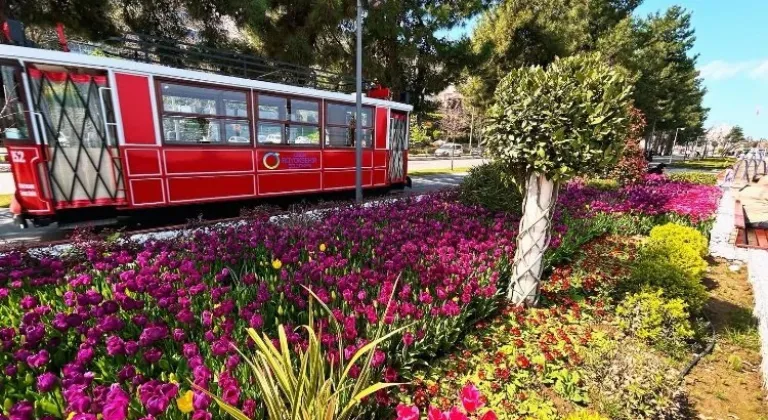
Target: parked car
{"points": [[448, 149], [477, 151]]}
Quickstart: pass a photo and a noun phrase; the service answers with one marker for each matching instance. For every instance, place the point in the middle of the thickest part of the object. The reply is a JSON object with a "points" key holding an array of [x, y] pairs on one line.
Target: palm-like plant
{"points": [[304, 385]]}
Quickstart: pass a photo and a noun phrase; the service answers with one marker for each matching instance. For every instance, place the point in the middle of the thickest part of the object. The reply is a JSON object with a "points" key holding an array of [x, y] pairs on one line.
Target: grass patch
{"points": [[705, 164], [5, 200], [741, 330], [439, 171]]}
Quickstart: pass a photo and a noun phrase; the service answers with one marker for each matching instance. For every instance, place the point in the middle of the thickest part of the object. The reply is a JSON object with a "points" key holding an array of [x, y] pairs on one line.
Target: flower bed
{"points": [[657, 196], [84, 332], [121, 328], [537, 363]]}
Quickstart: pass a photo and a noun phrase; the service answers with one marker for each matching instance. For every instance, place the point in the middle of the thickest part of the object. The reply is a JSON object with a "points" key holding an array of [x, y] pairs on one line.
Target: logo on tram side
{"points": [[271, 160]]}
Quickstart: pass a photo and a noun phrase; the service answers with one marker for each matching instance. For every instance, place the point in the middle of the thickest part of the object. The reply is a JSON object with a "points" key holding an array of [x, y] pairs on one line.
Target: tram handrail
{"points": [[156, 50]]}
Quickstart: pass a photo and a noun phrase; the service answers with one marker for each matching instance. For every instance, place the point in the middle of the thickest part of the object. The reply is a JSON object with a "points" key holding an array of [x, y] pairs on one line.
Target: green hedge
{"points": [[694, 177], [672, 259], [486, 185]]}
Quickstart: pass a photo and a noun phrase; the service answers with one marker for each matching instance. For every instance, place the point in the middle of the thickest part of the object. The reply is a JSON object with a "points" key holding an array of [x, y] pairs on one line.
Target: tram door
{"points": [[398, 129], [76, 125]]}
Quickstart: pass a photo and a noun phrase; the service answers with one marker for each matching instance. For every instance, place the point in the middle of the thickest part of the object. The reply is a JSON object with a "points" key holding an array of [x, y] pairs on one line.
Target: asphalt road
{"points": [[10, 233], [420, 165]]}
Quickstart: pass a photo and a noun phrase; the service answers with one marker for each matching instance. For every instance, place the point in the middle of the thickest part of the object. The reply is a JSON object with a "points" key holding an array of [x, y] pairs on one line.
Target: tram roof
{"points": [[27, 55]]}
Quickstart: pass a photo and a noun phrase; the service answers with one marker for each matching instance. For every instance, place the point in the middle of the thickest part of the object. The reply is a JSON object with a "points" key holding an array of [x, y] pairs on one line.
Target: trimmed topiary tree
{"points": [[545, 127]]}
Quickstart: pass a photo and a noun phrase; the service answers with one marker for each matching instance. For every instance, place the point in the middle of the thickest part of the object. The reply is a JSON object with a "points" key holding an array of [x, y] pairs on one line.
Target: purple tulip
{"points": [[22, 410], [85, 355], [38, 360], [152, 355], [201, 415], [153, 334], [116, 406], [46, 382], [28, 302], [201, 400], [115, 346]]}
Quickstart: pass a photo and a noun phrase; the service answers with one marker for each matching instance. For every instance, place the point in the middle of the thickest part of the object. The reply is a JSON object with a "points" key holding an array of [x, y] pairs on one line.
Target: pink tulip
{"points": [[405, 412], [471, 398]]}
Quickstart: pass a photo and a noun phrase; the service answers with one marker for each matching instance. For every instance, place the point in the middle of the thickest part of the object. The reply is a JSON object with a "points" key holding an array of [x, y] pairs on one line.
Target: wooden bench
{"points": [[748, 236]]}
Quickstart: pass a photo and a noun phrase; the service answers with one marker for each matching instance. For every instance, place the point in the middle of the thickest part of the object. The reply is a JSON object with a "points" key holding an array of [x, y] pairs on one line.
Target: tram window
{"points": [[288, 121], [203, 101], [304, 135], [13, 124], [305, 111], [273, 108], [193, 115], [205, 130], [340, 114], [345, 137], [270, 133], [340, 125]]}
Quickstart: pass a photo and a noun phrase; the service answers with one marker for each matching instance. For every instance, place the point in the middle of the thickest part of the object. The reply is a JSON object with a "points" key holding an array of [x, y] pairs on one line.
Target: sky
{"points": [[732, 44]]}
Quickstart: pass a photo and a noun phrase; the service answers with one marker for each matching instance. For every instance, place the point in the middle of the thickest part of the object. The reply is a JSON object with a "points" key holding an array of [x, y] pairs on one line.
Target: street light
{"points": [[359, 102], [359, 110]]}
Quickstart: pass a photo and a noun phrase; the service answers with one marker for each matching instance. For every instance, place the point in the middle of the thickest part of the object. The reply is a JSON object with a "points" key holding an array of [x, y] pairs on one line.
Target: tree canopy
{"points": [[568, 119], [403, 45], [655, 49]]}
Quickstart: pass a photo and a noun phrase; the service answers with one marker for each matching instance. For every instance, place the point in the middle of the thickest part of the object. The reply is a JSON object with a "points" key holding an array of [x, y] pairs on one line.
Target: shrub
{"points": [[631, 168], [675, 235], [672, 260], [652, 318], [629, 381], [487, 185], [694, 177], [603, 184], [678, 271]]}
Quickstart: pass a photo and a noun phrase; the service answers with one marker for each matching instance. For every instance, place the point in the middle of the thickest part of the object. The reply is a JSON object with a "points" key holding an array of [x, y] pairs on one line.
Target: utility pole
{"points": [[674, 142], [471, 129], [359, 111]]}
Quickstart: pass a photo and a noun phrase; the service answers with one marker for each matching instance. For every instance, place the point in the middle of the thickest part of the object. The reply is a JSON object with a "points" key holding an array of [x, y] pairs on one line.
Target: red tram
{"points": [[90, 131]]}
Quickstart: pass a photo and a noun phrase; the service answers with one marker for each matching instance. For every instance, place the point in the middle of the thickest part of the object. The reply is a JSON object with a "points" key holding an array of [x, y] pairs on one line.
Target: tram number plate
{"points": [[17, 156]]}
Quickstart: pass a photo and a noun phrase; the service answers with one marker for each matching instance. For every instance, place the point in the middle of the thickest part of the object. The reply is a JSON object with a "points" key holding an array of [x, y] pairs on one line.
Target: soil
{"points": [[727, 384]]}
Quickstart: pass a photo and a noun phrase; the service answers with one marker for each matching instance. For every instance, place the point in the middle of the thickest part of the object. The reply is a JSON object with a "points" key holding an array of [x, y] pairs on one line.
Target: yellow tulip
{"points": [[322, 247], [185, 402], [277, 264]]}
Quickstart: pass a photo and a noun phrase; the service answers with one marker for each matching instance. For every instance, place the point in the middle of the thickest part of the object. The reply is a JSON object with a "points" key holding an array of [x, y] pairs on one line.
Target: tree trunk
{"points": [[532, 240]]}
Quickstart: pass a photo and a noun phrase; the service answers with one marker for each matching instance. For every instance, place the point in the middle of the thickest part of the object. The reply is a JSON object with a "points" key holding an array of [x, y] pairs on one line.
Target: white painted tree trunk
{"points": [[532, 240]]}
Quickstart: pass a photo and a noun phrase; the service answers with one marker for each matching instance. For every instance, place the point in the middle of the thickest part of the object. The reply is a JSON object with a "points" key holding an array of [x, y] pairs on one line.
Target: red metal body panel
{"points": [[27, 166], [338, 180], [288, 159], [147, 191], [136, 108], [274, 183], [380, 158], [204, 160], [345, 158], [382, 122], [208, 188], [142, 162], [379, 177]]}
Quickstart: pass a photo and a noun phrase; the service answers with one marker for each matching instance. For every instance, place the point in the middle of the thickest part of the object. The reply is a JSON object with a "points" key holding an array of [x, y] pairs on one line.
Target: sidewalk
{"points": [[721, 245]]}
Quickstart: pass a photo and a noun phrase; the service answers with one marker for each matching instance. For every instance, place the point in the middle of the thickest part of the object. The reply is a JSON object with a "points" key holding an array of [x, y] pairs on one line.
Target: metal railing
{"points": [[155, 50]]}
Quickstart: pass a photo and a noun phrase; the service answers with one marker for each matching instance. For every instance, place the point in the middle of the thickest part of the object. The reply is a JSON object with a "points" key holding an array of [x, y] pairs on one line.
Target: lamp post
{"points": [[675, 141], [359, 110]]}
